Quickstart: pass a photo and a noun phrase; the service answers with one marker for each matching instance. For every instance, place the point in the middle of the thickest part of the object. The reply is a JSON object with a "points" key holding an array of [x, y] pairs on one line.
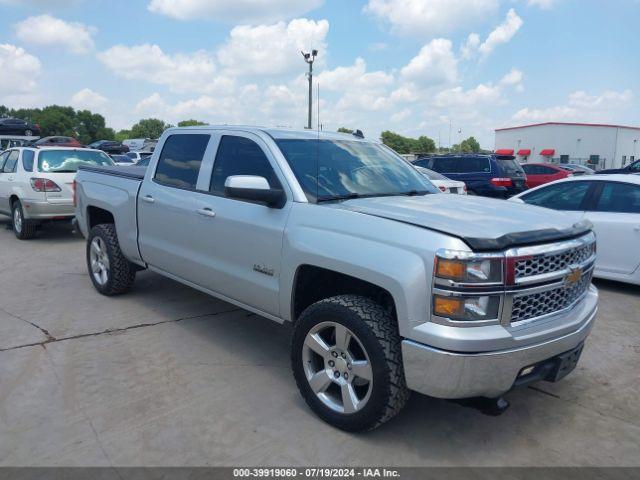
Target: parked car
{"points": [[137, 156], [143, 162], [388, 287], [496, 176], [577, 169], [541, 173], [123, 160], [57, 141], [612, 204], [631, 168], [444, 184], [140, 144], [16, 126], [36, 184], [109, 146]]}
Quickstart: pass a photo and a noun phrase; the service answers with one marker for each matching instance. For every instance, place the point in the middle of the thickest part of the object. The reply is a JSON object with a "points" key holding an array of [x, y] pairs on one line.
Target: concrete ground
{"points": [[168, 376]]}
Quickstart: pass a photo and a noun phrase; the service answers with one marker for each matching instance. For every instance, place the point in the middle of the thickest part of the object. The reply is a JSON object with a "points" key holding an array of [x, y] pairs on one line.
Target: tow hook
{"points": [[488, 406]]}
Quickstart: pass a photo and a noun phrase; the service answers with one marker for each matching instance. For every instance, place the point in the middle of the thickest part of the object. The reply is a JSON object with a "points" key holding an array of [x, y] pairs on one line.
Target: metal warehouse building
{"points": [[596, 145]]}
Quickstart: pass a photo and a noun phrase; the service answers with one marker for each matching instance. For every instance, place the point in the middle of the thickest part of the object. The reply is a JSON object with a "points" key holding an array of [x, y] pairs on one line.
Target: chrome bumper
{"points": [[443, 374], [47, 211]]}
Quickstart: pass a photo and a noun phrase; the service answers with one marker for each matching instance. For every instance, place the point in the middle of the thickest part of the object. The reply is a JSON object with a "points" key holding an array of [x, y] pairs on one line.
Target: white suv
{"points": [[36, 184]]}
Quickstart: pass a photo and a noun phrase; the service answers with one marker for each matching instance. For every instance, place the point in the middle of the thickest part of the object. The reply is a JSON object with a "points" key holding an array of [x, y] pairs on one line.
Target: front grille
{"points": [[540, 264], [538, 304]]}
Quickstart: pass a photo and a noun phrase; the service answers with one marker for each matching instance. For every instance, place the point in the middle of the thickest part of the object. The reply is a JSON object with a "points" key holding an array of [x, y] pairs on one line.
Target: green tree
{"points": [[149, 128], [469, 145], [91, 127], [401, 144], [345, 130], [191, 123], [55, 120], [122, 135]]}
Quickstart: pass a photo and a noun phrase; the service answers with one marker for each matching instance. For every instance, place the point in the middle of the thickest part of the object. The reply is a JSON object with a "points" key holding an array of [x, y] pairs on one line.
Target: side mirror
{"points": [[255, 189]]}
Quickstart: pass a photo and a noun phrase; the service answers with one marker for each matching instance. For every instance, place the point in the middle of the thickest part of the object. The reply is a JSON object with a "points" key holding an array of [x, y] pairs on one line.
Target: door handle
{"points": [[148, 199], [11, 179], [207, 212], [637, 228]]}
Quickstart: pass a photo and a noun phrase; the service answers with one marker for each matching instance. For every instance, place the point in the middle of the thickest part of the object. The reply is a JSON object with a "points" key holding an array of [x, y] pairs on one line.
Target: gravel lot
{"points": [[168, 376]]}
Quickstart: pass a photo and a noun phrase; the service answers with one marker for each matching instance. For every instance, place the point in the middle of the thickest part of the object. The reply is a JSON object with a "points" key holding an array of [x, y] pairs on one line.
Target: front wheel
{"points": [[347, 362], [110, 272]]}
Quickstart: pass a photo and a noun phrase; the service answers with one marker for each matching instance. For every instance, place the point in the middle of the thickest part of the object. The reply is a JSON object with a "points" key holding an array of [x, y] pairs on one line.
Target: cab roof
{"points": [[280, 133]]}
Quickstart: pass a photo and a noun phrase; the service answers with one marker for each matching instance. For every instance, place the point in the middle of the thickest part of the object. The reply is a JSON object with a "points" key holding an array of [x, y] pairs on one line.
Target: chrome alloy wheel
{"points": [[99, 261], [337, 367], [17, 219]]}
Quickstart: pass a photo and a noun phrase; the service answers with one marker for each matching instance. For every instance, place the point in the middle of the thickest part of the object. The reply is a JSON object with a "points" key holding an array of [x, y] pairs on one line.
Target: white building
{"points": [[595, 145]]}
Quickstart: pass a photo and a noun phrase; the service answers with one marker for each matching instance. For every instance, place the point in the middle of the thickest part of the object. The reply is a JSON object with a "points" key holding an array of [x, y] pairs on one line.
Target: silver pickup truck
{"points": [[389, 285]]}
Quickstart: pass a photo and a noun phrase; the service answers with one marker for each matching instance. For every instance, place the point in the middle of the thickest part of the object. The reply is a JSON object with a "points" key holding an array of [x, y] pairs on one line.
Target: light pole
{"points": [[309, 58]]}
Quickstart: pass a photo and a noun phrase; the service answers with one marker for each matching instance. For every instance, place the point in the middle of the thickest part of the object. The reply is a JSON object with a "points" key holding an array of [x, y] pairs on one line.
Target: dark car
{"points": [[541, 173], [631, 168], [15, 126], [57, 141], [498, 176], [109, 146]]}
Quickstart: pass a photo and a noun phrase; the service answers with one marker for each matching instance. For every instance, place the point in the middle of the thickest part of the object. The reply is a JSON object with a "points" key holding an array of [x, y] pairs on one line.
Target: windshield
{"points": [[69, 160], [510, 166], [337, 169]]}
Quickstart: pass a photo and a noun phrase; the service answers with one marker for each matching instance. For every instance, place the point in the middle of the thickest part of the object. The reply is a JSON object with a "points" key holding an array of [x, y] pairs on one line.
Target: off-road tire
{"points": [[377, 330], [28, 229], [122, 273]]}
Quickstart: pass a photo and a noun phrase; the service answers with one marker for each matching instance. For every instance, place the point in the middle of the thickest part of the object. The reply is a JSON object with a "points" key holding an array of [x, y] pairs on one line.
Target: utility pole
{"points": [[309, 58]]}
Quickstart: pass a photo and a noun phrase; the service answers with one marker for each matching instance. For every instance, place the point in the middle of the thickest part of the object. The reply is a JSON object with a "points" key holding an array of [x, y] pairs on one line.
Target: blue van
{"points": [[498, 176]]}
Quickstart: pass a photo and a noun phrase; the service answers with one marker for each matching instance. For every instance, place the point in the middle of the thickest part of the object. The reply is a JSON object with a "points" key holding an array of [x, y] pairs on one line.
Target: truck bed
{"points": [[133, 172]]}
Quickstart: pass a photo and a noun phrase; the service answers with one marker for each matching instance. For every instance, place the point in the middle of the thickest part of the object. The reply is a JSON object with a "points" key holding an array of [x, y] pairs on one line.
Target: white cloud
{"points": [[458, 97], [470, 47], [427, 18], [544, 4], [180, 72], [514, 77], [272, 49], [502, 34], [45, 30], [234, 11], [580, 107], [88, 99], [20, 71], [434, 64]]}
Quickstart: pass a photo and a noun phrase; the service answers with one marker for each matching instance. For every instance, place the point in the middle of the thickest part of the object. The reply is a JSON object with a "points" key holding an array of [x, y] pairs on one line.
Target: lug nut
{"points": [[335, 354], [346, 375], [349, 366], [331, 363], [336, 374], [343, 355]]}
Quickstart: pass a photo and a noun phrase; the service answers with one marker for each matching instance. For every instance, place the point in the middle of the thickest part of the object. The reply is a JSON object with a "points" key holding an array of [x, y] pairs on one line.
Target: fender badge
{"points": [[264, 270]]}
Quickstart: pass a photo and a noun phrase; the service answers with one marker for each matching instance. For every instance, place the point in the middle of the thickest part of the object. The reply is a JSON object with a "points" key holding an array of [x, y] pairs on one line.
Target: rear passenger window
{"points": [[473, 165], [12, 161], [620, 198], [180, 160], [443, 165], [27, 160], [240, 156]]}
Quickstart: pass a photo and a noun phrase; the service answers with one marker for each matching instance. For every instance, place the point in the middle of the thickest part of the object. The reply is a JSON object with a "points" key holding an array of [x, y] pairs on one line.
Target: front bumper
{"points": [[444, 374], [47, 211]]}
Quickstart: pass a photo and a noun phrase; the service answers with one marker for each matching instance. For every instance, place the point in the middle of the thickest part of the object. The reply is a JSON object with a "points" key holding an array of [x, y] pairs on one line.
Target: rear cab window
{"points": [[180, 160]]}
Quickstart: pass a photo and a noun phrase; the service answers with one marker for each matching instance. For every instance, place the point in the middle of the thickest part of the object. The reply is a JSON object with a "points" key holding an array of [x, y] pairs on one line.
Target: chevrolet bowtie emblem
{"points": [[574, 275]]}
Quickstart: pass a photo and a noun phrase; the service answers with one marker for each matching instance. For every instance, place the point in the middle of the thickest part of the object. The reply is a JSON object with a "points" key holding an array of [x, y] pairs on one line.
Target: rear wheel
{"points": [[28, 133], [22, 228], [347, 362], [110, 272]]}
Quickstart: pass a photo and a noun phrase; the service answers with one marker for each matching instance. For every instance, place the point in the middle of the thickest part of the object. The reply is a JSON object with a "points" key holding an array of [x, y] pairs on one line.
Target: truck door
{"points": [[167, 207], [238, 243]]}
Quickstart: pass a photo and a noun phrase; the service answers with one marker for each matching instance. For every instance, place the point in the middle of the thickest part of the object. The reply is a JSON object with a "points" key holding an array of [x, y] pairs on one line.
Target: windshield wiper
{"points": [[346, 196], [351, 196], [62, 171], [412, 193]]}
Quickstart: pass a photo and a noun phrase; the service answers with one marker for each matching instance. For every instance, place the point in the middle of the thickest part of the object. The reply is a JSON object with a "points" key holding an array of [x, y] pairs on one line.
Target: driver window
{"points": [[563, 196], [240, 156]]}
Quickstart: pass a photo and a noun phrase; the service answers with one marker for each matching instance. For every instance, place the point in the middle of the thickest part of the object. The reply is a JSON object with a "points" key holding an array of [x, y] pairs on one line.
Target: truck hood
{"points": [[483, 223]]}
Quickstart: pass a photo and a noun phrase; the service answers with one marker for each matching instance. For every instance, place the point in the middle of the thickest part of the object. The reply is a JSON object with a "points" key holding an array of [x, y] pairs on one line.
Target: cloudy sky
{"points": [[412, 66]]}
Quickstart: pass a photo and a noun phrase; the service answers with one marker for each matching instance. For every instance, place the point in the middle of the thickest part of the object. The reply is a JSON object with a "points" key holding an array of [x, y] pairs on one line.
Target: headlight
{"points": [[468, 268], [466, 308]]}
